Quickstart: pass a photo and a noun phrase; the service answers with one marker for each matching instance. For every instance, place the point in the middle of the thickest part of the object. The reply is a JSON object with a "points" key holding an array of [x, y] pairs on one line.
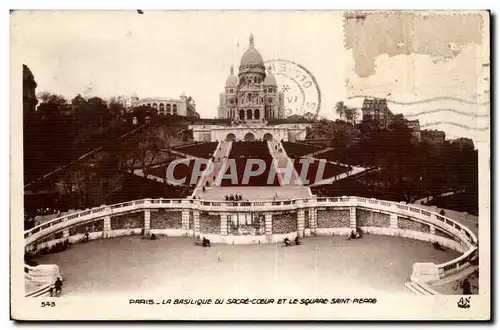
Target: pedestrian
{"points": [[58, 287]]}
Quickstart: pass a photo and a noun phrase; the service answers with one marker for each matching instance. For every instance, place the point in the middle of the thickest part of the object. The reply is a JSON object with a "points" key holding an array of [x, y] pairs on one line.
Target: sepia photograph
{"points": [[250, 165]]}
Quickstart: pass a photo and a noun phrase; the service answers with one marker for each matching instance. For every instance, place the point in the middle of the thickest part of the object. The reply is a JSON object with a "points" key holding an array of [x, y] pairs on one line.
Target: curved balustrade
{"points": [[459, 232]]}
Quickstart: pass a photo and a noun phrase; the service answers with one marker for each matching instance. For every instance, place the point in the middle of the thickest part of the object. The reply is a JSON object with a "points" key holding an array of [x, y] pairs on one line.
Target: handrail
{"points": [[465, 235]]}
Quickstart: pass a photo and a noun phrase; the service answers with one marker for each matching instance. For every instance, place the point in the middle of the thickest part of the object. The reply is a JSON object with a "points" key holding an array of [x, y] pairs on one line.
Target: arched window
{"points": [[155, 106], [149, 104], [169, 111], [249, 114], [242, 114], [162, 109], [249, 97], [175, 109], [256, 114]]}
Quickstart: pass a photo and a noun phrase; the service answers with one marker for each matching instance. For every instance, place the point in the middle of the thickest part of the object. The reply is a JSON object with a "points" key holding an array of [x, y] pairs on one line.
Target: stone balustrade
{"points": [[276, 219]]}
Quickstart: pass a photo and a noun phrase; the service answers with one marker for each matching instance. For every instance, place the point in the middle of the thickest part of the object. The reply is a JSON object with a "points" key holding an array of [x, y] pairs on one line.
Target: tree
{"points": [[351, 115], [340, 109], [46, 97]]}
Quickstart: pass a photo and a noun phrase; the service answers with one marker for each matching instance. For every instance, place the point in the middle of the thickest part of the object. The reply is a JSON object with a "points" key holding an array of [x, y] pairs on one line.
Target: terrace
{"points": [[201, 150], [241, 152], [296, 149]]}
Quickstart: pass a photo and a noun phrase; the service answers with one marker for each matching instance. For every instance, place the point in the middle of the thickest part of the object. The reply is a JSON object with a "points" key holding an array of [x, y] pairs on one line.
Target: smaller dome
{"points": [[232, 80], [270, 80]]}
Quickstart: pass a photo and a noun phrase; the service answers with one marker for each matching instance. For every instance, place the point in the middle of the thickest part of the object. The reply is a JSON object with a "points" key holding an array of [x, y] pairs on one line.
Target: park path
{"points": [[281, 158], [220, 156]]}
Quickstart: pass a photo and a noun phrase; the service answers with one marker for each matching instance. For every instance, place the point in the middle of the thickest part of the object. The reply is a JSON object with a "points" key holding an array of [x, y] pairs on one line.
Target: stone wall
{"points": [[90, 227], [366, 218], [333, 218], [284, 223], [443, 234], [209, 224], [163, 219], [408, 224], [128, 221]]}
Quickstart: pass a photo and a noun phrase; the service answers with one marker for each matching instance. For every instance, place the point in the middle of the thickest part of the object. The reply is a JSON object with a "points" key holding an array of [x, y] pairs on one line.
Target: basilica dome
{"points": [[251, 55]]}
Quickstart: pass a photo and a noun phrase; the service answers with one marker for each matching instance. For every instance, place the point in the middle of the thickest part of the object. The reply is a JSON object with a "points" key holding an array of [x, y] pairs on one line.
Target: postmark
{"points": [[300, 90]]}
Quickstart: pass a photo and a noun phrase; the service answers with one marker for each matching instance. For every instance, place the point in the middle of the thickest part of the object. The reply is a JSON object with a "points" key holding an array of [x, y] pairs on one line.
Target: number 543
{"points": [[48, 303]]}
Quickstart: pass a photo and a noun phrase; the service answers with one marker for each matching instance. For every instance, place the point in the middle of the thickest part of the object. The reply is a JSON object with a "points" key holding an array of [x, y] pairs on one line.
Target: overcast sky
{"points": [[166, 53]]}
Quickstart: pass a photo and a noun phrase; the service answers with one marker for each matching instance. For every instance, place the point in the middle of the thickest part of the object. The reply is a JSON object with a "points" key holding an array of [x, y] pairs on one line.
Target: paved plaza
{"points": [[168, 267]]}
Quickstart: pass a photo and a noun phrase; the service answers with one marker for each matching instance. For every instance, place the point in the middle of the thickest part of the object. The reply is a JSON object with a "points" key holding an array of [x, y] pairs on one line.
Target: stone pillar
{"points": [[394, 221], [185, 219], [107, 226], [313, 219], [352, 217], [66, 233], [196, 223], [147, 222], [432, 229], [300, 223], [223, 224], [269, 226]]}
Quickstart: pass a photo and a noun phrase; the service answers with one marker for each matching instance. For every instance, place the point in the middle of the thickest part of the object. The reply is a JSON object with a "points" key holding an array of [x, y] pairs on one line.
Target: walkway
{"points": [[283, 161], [220, 158]]}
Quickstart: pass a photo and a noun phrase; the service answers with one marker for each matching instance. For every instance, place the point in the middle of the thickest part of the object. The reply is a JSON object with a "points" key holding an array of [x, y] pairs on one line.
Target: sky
{"points": [[162, 54]]}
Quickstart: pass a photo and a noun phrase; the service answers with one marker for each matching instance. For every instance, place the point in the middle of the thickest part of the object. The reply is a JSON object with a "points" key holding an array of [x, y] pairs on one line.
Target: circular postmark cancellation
{"points": [[301, 92]]}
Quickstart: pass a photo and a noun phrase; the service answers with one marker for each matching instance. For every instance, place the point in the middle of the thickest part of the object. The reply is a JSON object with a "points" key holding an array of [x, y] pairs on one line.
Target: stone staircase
{"points": [[281, 158], [420, 289]]}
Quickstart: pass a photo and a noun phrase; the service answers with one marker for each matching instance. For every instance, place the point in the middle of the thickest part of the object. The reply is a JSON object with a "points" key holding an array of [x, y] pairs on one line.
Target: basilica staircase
{"points": [[282, 160]]}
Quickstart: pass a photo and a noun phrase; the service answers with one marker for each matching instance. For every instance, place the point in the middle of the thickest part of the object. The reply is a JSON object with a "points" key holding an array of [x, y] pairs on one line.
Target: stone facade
{"points": [[163, 219], [333, 218], [409, 224], [128, 221], [284, 223], [210, 224], [90, 227], [372, 219], [253, 94]]}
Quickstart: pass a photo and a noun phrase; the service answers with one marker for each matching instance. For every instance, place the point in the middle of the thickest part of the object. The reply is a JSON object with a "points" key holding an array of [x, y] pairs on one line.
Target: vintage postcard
{"points": [[250, 165]]}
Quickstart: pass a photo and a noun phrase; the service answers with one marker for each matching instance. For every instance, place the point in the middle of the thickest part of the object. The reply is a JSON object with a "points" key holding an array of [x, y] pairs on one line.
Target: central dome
{"points": [[251, 56]]}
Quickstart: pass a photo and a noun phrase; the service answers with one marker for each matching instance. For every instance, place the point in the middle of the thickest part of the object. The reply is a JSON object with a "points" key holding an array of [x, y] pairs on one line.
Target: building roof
{"points": [[251, 55], [232, 80], [270, 79]]}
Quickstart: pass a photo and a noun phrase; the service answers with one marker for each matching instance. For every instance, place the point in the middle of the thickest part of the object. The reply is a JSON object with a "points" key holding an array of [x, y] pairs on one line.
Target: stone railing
{"points": [[464, 239]]}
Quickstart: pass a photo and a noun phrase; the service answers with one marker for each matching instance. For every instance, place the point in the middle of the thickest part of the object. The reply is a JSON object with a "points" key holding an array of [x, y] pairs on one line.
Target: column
{"points": [[223, 224], [185, 219], [269, 226], [147, 222], [313, 219], [352, 217], [107, 226], [196, 222], [432, 229], [300, 223], [394, 221]]}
